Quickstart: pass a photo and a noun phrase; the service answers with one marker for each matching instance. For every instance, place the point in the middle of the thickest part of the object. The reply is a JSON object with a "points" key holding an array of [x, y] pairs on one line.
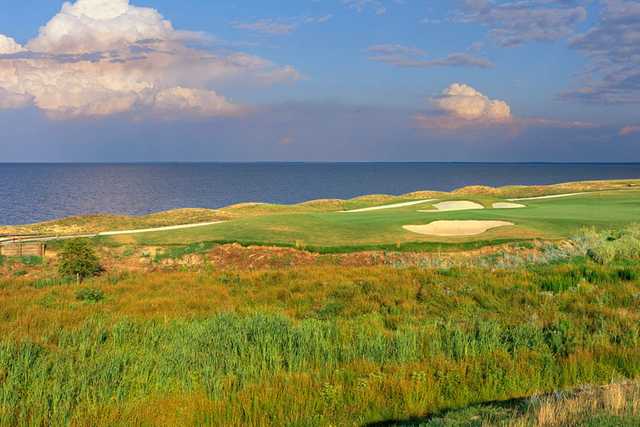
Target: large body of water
{"points": [[37, 192]]}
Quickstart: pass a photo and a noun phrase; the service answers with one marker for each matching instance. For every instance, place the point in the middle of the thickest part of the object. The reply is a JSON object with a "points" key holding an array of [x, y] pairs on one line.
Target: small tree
{"points": [[78, 259]]}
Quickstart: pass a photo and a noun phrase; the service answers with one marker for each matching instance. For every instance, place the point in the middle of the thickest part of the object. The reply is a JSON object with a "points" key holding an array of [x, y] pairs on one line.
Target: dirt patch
{"points": [[258, 257], [456, 228]]}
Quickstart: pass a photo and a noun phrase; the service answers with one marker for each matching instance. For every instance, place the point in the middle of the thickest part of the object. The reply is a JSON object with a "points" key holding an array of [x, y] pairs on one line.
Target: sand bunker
{"points": [[392, 206], [455, 206], [505, 205], [456, 228]]}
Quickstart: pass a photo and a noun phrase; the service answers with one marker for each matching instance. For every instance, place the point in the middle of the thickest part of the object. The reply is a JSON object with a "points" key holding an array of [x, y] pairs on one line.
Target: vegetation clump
{"points": [[606, 246], [79, 260], [90, 295]]}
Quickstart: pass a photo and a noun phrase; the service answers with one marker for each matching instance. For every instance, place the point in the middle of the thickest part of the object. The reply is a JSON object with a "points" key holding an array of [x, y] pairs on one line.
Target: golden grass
{"points": [[105, 222], [615, 400], [315, 346]]}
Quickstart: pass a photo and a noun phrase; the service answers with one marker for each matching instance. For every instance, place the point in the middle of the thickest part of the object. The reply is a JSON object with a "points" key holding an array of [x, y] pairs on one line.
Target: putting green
{"points": [[545, 218]]}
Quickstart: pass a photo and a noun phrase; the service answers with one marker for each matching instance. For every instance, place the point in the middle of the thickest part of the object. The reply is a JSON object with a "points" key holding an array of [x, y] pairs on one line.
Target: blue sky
{"points": [[320, 80]]}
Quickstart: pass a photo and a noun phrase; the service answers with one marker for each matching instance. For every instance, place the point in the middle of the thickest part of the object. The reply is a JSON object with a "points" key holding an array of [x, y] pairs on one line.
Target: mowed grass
{"points": [[549, 219]]}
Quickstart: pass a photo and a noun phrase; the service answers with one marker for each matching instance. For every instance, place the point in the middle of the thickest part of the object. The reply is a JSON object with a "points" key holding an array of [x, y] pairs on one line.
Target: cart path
{"points": [[109, 233]]}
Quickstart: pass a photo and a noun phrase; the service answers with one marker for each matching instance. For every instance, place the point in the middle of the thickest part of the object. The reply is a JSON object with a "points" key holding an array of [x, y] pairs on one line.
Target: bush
{"points": [[90, 295], [606, 246], [78, 259], [559, 338], [602, 254]]}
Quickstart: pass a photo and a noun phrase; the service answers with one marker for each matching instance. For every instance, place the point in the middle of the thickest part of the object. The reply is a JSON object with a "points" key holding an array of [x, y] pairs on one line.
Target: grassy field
{"points": [[179, 330], [547, 219], [316, 346]]}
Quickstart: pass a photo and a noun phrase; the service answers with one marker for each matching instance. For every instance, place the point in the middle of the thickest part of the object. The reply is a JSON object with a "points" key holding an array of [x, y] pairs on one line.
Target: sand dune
{"points": [[456, 228]]}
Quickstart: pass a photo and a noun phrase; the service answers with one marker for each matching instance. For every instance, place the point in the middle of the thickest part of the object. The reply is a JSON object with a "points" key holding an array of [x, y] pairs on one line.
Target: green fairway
{"points": [[544, 218]]}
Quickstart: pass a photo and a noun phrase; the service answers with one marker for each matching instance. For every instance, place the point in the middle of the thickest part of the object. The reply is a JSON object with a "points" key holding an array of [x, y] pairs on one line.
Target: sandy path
{"points": [[456, 228], [553, 196], [114, 233], [152, 230], [395, 205], [455, 206]]}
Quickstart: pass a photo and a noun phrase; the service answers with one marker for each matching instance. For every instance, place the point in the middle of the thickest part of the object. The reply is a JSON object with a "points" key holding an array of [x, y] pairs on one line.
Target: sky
{"points": [[320, 80]]}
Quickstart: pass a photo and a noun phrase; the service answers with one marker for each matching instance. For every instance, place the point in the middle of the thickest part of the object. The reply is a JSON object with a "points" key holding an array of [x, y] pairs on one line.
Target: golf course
{"points": [[512, 306], [544, 218]]}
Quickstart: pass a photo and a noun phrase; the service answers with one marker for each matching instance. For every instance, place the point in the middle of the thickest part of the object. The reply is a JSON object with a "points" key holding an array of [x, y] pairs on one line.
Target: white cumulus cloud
{"points": [[465, 102], [461, 105], [103, 57], [9, 45]]}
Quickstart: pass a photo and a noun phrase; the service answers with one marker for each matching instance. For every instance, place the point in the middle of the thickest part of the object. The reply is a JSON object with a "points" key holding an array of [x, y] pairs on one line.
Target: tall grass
{"points": [[345, 365], [310, 347], [605, 246]]}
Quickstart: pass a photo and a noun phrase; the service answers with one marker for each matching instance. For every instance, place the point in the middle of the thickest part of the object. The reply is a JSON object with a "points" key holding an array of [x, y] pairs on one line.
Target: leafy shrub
{"points": [[19, 273], [602, 254], [559, 338], [606, 246], [79, 259], [89, 295]]}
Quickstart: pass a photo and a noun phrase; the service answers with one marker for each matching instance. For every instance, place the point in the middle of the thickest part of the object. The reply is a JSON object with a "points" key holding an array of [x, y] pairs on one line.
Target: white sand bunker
{"points": [[456, 228], [505, 205], [455, 206]]}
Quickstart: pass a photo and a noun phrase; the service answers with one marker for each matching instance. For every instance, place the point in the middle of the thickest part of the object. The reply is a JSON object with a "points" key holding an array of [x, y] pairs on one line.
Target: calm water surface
{"points": [[37, 192]]}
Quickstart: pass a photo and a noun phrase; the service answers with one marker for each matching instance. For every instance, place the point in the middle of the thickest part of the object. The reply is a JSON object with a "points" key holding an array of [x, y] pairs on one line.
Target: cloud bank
{"points": [[104, 57], [613, 47], [514, 23]]}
